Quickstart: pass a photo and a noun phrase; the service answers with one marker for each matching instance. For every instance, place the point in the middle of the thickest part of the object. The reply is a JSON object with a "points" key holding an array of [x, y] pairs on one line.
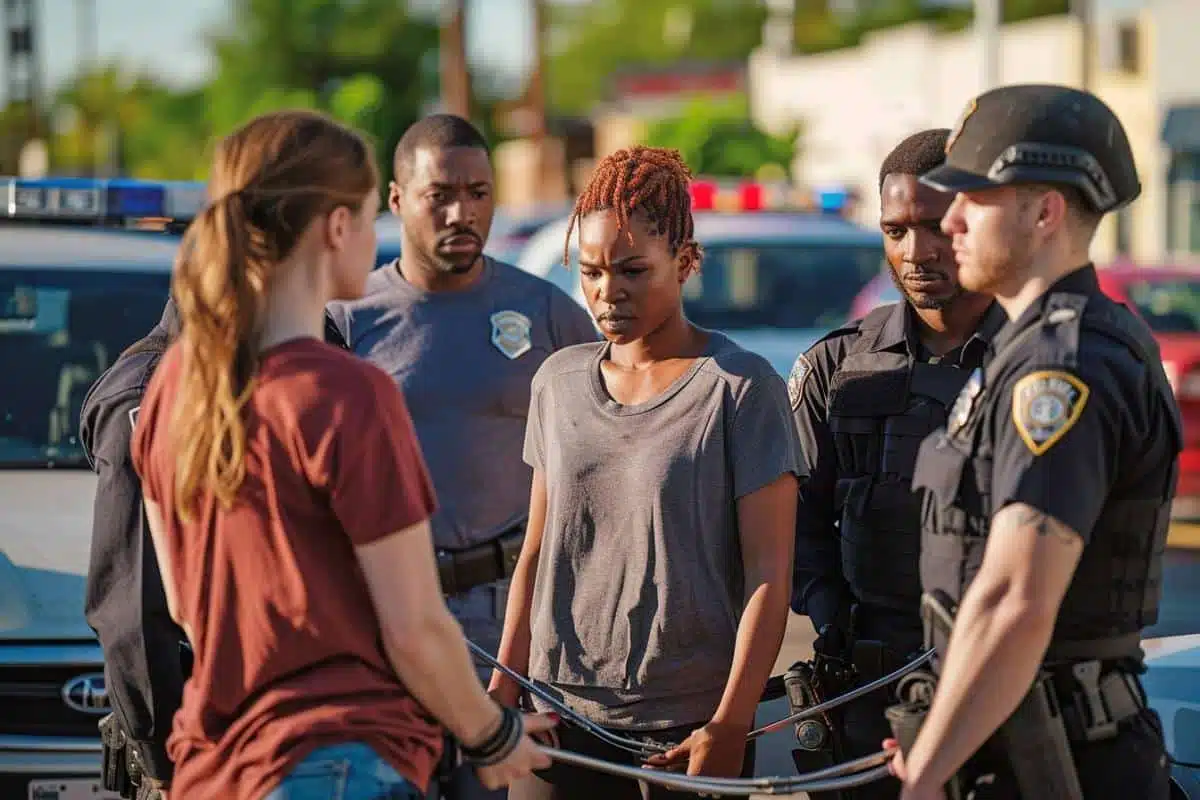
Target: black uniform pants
{"points": [[1131, 765], [568, 782]]}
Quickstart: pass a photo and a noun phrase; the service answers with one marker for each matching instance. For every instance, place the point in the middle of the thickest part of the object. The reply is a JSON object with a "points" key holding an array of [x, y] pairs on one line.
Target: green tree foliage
{"points": [[365, 62], [593, 42], [717, 139], [819, 28]]}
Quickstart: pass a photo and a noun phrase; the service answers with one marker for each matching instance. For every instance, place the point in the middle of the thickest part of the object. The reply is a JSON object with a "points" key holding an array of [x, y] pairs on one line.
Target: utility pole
{"points": [[456, 79], [85, 34], [537, 83], [537, 98], [22, 67], [1082, 11], [987, 29]]}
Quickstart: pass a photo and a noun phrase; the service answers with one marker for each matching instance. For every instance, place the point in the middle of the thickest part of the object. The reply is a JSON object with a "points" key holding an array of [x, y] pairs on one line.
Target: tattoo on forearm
{"points": [[1043, 524]]}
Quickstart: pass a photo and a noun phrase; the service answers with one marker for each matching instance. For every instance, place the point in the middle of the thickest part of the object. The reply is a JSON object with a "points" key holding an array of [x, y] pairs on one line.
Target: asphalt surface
{"points": [[1179, 613]]}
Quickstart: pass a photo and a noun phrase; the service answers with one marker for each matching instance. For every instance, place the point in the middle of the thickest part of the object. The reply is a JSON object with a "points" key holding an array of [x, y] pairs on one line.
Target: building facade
{"points": [[854, 105]]}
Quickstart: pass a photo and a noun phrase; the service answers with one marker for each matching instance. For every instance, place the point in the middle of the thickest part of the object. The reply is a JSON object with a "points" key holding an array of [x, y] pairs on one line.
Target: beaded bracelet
{"points": [[501, 743]]}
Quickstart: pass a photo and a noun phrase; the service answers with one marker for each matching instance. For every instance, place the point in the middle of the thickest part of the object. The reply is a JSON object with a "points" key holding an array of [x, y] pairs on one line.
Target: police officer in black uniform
{"points": [[145, 653], [863, 398], [1047, 496]]}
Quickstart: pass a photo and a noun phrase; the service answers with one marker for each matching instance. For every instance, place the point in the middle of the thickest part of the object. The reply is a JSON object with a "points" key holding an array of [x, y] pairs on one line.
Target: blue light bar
{"points": [[832, 200], [99, 200]]}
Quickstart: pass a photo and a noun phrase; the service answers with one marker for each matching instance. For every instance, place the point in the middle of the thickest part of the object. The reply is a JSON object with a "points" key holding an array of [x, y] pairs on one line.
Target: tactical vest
{"points": [[1119, 574], [881, 406]]}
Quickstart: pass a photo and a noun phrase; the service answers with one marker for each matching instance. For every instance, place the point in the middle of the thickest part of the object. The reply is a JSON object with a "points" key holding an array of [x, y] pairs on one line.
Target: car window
{"points": [[888, 293], [59, 329], [778, 285], [1168, 306]]}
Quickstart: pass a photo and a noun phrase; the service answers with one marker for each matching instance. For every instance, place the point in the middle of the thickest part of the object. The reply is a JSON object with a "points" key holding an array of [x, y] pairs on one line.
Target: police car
{"points": [[85, 270], [774, 281], [1172, 682]]}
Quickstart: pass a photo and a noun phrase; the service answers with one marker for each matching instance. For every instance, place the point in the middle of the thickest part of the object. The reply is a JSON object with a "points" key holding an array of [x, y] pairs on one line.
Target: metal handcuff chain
{"points": [[642, 748], [842, 699], [859, 772], [850, 774]]}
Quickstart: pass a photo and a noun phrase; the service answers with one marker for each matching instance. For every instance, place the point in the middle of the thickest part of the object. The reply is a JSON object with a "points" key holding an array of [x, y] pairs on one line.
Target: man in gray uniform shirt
{"points": [[463, 335]]}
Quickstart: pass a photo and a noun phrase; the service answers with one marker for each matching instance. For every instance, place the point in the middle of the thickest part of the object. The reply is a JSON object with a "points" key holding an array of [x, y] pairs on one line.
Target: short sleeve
{"points": [[806, 396], [534, 453], [1056, 437], [570, 322], [379, 483], [145, 422], [764, 443]]}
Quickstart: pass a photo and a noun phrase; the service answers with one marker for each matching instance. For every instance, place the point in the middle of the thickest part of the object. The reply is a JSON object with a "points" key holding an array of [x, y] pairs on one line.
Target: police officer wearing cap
{"points": [[1047, 495], [863, 398], [146, 658]]}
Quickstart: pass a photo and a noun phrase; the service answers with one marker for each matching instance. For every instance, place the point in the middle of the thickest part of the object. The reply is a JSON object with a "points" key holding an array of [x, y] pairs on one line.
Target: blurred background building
{"points": [[800, 98]]}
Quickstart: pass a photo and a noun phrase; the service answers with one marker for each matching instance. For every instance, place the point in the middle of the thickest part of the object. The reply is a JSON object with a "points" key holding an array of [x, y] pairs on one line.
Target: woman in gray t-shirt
{"points": [[652, 590]]}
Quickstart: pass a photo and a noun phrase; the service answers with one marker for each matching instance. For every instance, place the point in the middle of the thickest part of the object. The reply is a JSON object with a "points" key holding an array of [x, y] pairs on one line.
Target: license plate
{"points": [[70, 789]]}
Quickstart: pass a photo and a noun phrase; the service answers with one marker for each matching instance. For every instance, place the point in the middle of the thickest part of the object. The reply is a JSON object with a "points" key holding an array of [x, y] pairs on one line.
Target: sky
{"points": [[163, 36]]}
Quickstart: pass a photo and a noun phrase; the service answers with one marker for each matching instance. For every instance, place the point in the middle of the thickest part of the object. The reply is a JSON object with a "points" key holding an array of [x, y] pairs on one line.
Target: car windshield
{"points": [[788, 285], [1168, 306], [59, 329]]}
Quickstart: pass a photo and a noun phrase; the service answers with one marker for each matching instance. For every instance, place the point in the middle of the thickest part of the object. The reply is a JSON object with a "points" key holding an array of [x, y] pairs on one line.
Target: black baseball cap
{"points": [[1040, 133]]}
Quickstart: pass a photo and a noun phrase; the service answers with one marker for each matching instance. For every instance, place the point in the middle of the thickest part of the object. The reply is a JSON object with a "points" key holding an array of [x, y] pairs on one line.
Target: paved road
{"points": [[1179, 614]]}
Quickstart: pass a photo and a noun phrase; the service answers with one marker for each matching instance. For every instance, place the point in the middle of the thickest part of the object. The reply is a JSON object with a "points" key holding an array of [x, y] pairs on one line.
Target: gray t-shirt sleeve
{"points": [[534, 453], [570, 323], [764, 442]]}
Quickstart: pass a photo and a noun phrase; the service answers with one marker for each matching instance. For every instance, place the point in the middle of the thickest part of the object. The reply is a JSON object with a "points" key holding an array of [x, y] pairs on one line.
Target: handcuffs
{"points": [[850, 774]]}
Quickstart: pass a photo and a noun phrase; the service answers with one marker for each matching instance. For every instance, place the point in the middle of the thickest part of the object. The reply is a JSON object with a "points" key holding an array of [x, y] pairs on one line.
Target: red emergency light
{"points": [[707, 195], [750, 197], [704, 195]]}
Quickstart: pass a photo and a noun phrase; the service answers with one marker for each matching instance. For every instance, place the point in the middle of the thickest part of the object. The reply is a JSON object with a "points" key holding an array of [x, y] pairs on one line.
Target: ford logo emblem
{"points": [[86, 694]]}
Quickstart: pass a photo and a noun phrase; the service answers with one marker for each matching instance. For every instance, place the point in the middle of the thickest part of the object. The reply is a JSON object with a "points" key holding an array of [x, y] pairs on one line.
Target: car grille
{"points": [[31, 696], [16, 787]]}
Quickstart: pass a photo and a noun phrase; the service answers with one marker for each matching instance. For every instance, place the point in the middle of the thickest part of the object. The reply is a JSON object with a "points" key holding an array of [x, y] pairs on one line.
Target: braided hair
{"points": [[653, 180]]}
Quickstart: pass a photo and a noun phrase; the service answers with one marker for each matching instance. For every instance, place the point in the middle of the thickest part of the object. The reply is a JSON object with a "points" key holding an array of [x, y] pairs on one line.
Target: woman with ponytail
{"points": [[289, 503]]}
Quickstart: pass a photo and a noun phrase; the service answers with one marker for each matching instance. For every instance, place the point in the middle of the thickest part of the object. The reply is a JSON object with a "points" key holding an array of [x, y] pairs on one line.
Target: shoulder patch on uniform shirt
{"points": [[1047, 404], [800, 370], [511, 333]]}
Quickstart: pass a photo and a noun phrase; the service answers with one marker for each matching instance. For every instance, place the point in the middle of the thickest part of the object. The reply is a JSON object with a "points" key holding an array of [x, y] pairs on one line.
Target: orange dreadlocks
{"points": [[653, 180]]}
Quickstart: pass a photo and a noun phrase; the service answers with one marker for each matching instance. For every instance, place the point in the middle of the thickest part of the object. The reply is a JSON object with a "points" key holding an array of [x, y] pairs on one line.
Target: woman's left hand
{"points": [[716, 750]]}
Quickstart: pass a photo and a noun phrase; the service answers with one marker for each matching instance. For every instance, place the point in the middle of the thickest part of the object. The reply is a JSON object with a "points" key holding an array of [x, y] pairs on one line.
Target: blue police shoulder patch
{"points": [[795, 383]]}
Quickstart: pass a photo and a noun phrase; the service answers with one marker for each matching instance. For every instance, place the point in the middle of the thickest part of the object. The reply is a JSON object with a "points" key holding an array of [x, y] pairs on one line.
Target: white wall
{"points": [[855, 105]]}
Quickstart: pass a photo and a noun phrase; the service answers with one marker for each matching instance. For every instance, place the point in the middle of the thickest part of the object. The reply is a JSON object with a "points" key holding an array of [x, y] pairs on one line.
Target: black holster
{"points": [[1034, 739], [121, 767], [114, 768], [818, 739]]}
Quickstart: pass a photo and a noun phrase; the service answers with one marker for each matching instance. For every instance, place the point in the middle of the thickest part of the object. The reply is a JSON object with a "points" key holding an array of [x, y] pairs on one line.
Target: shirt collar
{"points": [[1082, 280], [899, 329]]}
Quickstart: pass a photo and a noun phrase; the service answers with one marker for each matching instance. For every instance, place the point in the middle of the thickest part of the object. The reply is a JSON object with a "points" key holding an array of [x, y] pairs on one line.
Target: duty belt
{"points": [[1094, 704], [491, 561]]}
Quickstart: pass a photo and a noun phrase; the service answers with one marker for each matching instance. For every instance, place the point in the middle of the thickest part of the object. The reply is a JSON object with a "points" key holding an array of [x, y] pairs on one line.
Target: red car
{"points": [[1168, 299]]}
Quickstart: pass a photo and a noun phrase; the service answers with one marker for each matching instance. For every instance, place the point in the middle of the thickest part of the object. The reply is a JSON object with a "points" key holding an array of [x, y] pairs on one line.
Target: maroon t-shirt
{"points": [[288, 650]]}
